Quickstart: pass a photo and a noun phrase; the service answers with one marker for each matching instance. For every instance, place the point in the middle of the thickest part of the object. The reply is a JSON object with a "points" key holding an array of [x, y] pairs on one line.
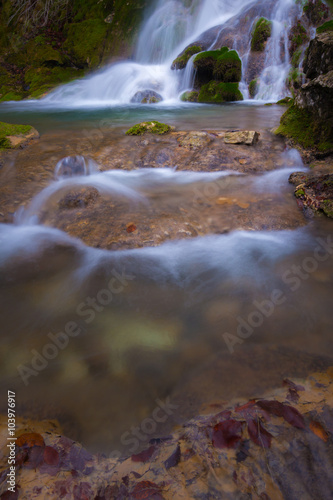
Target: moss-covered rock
{"points": [[306, 129], [85, 40], [328, 26], [190, 96], [12, 136], [149, 127], [286, 101], [316, 11], [181, 61], [217, 92], [222, 65], [146, 97], [261, 32], [298, 36], [253, 87]]}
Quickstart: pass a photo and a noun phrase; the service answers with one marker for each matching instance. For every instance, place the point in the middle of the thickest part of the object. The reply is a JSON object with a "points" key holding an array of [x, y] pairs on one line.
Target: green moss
{"points": [[328, 26], [228, 67], [40, 80], [215, 92], [253, 88], [11, 96], [85, 40], [149, 127], [301, 126], [296, 58], [286, 101], [316, 11], [7, 129], [190, 96], [299, 193], [181, 61], [223, 65], [261, 32], [298, 36], [327, 208]]}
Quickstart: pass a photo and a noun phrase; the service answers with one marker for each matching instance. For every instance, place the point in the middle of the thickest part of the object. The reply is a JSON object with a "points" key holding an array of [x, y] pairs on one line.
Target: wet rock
{"points": [[248, 137], [195, 140], [71, 166], [79, 198], [319, 57], [181, 61], [317, 96], [147, 97], [314, 192]]}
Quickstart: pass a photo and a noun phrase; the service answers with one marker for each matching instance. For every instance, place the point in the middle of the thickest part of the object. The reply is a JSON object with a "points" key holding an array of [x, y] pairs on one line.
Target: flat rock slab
{"points": [[314, 192]]}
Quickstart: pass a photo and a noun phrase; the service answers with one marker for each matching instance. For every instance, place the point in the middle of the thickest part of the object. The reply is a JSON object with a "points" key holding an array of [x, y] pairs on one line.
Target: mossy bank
{"points": [[39, 50]]}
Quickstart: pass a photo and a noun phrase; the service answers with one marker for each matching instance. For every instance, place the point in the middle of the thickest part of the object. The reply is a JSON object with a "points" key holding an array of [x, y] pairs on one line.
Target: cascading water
{"points": [[173, 25]]}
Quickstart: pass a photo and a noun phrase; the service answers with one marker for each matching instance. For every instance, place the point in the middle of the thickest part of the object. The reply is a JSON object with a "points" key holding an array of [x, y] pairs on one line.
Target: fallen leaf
{"points": [[51, 456], [289, 413], [30, 439], [130, 228], [174, 459], [145, 455], [147, 490], [258, 434], [225, 434], [319, 431]]}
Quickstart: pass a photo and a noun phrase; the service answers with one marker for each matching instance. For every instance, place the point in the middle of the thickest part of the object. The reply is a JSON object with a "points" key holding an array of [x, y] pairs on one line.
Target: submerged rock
{"points": [[147, 97]]}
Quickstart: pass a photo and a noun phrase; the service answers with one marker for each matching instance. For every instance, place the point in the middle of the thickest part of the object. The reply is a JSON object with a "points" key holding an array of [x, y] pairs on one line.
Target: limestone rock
{"points": [[317, 96], [248, 137], [146, 97], [22, 140], [319, 57]]}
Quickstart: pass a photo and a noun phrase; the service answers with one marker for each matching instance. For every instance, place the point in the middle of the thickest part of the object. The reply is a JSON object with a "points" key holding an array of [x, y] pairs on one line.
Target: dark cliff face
{"points": [[39, 50], [319, 59]]}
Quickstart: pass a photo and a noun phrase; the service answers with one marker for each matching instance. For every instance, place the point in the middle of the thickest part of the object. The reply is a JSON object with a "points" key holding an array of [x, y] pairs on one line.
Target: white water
{"points": [[171, 27]]}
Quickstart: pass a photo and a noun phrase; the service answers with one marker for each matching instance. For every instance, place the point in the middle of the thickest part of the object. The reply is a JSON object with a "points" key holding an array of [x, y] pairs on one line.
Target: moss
{"points": [[215, 92], [223, 65], [299, 193], [7, 129], [149, 127], [301, 126], [85, 40], [286, 101], [40, 80], [11, 96], [327, 208], [228, 67], [296, 57], [328, 26], [181, 61], [191, 96], [261, 32], [297, 37], [316, 11], [253, 88]]}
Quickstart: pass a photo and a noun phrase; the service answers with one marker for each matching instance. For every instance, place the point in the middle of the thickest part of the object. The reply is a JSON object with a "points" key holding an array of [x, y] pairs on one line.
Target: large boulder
{"points": [[317, 96], [146, 97], [181, 61], [319, 58], [221, 65]]}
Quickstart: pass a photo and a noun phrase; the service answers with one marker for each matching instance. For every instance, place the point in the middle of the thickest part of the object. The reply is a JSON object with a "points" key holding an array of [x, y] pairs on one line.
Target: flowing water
{"points": [[97, 338]]}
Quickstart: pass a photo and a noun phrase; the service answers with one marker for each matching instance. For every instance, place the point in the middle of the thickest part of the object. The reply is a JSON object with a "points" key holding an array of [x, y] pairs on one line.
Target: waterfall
{"points": [[173, 25]]}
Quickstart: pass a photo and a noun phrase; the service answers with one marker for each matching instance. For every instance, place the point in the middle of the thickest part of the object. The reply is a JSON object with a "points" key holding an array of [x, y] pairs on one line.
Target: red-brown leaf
{"points": [[147, 490], [319, 431], [145, 455], [30, 439], [258, 434], [225, 434], [130, 228], [51, 456], [289, 413]]}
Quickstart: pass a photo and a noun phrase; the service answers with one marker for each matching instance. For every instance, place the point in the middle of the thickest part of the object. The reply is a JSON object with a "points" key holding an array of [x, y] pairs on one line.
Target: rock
{"points": [[181, 61], [319, 58], [317, 96], [215, 92], [261, 33], [314, 192], [195, 140], [16, 136], [20, 141], [147, 97], [190, 96], [248, 137], [149, 127], [221, 65], [79, 198]]}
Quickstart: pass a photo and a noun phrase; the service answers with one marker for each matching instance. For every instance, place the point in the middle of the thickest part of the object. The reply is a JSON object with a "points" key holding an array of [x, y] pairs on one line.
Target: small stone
{"points": [[248, 137]]}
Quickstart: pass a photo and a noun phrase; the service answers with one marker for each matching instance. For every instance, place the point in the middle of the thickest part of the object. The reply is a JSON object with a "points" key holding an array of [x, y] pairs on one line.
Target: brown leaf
{"points": [[145, 455], [174, 459], [30, 439], [258, 434], [225, 434], [289, 413], [147, 490], [51, 456], [130, 228], [319, 431]]}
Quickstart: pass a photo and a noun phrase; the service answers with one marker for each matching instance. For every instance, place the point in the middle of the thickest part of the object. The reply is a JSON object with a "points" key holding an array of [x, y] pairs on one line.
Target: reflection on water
{"points": [[99, 336], [44, 117]]}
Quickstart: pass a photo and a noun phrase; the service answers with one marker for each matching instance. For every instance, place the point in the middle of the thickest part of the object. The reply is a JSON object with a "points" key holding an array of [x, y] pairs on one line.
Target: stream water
{"points": [[100, 338]]}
